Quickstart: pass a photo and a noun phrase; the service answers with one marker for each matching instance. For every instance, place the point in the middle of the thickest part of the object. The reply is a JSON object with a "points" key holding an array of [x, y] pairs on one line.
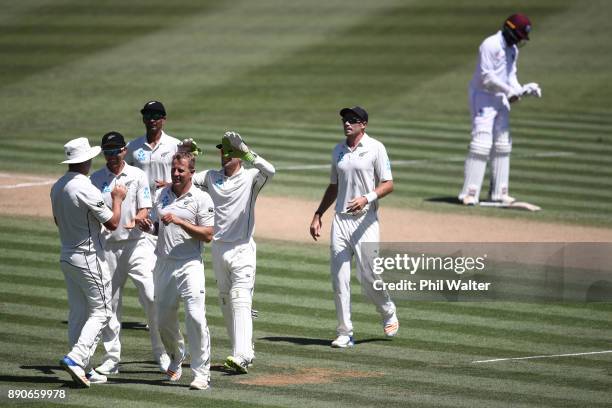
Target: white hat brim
{"points": [[90, 154]]}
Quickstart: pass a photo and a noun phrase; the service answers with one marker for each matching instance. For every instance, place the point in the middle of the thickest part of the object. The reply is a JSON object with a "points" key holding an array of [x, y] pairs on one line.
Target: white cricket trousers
{"points": [[348, 232], [136, 259], [89, 293], [183, 279], [491, 140], [234, 266]]}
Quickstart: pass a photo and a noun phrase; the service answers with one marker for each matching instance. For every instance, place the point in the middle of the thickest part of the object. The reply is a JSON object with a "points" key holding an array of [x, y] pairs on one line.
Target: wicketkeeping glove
{"points": [[189, 145], [234, 146], [532, 89]]}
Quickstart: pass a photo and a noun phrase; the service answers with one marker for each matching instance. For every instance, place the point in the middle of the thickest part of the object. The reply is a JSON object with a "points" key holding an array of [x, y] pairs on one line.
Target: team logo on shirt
{"points": [[388, 165], [141, 156], [146, 193], [363, 153], [219, 182], [164, 154], [165, 201], [340, 157], [105, 187], [211, 210], [100, 204]]}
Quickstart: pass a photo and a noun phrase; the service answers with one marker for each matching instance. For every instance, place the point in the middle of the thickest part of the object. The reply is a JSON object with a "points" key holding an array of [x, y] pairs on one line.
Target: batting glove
{"points": [[237, 147], [532, 89]]}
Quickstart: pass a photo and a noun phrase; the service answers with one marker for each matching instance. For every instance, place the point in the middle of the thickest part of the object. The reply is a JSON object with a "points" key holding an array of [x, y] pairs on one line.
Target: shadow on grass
{"points": [[304, 341], [444, 199], [127, 325]]}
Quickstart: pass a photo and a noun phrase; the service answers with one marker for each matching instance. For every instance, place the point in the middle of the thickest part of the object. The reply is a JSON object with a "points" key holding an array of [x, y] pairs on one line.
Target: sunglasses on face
{"points": [[152, 115], [112, 152], [351, 120]]}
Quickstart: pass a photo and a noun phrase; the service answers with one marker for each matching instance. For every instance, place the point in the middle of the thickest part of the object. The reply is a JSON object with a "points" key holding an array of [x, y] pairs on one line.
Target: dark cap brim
{"points": [[347, 111]]}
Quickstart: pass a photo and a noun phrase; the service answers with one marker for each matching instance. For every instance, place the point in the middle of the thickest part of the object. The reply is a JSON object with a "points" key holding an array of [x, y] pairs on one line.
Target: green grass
{"points": [[279, 71], [428, 365]]}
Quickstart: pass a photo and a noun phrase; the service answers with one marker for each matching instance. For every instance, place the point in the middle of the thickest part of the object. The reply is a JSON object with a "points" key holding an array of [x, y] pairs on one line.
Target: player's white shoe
{"points": [[96, 378], [343, 341], [200, 383], [391, 325], [238, 364], [469, 200], [76, 371], [164, 362], [504, 199], [175, 370], [109, 367]]}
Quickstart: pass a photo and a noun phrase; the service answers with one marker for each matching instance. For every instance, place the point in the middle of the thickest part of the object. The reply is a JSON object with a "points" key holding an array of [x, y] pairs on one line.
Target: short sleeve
{"points": [[206, 211], [92, 198], [333, 178], [199, 180], [144, 192], [382, 165]]}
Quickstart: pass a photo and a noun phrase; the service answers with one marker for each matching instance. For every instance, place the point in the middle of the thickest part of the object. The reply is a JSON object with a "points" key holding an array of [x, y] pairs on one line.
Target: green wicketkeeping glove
{"points": [[190, 145], [234, 146]]}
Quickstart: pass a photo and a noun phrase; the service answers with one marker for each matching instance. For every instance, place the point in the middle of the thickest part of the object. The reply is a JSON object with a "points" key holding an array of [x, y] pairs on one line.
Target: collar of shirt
{"points": [[364, 141], [189, 192], [110, 174], [239, 172], [163, 139], [502, 40]]}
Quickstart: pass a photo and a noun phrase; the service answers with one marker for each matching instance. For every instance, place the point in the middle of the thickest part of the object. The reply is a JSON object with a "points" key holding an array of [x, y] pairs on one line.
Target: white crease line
{"points": [[399, 163], [545, 356], [34, 184]]}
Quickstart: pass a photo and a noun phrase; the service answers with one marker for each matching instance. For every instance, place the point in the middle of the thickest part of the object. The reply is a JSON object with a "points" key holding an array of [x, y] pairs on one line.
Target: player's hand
{"points": [[144, 224], [189, 146], [356, 204], [161, 184], [315, 227], [532, 89], [119, 192], [236, 146], [170, 218]]}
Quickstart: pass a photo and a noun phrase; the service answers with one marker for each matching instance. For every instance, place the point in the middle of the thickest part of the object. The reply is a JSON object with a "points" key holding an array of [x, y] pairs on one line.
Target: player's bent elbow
{"points": [[111, 226]]}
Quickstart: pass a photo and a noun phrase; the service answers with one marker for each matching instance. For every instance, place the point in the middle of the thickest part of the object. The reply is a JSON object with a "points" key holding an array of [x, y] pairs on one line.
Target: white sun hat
{"points": [[79, 151]]}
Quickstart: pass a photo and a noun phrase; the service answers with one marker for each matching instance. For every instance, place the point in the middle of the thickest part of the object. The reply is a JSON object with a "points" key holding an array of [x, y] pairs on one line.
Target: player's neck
{"points": [[154, 137], [181, 189], [352, 141], [231, 168], [116, 169]]}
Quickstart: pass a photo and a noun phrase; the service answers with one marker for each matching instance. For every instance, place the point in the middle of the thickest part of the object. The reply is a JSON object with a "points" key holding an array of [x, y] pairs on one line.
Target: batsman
{"points": [[234, 190], [493, 88]]}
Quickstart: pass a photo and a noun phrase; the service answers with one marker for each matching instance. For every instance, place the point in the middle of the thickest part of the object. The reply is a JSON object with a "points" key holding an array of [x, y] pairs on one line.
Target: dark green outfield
{"points": [[430, 363], [278, 71]]}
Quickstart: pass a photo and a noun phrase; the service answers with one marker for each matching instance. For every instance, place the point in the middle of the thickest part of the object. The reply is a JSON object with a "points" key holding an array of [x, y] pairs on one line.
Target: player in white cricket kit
{"points": [[360, 175], [493, 88], [78, 210], [234, 190], [153, 152], [127, 251], [185, 219]]}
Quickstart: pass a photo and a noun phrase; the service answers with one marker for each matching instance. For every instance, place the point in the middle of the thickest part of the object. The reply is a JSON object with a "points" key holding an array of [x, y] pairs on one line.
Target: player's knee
{"points": [[241, 297], [480, 147], [503, 143]]}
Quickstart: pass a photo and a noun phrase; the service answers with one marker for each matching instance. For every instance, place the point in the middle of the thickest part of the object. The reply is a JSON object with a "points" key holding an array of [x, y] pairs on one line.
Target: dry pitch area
{"points": [[288, 219]]}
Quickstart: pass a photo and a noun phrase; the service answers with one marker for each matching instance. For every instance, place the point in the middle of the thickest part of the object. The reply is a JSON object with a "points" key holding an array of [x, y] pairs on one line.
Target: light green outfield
{"points": [[430, 364], [278, 71]]}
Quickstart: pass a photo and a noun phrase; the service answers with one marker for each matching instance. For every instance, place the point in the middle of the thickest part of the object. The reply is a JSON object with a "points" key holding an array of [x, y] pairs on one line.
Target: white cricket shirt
{"points": [[79, 209], [234, 198], [496, 66], [359, 171], [155, 162], [138, 196], [196, 207]]}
